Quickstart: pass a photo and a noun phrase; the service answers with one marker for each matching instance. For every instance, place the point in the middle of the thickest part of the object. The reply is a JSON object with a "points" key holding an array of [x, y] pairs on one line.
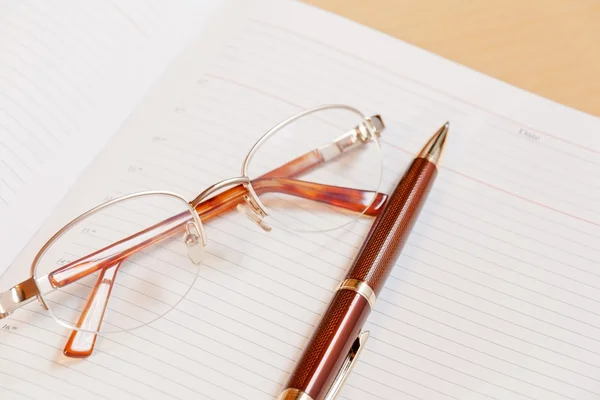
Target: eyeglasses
{"points": [[148, 239]]}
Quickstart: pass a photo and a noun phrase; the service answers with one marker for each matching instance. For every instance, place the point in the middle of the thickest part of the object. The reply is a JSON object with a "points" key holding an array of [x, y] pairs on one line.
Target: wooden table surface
{"points": [[549, 47]]}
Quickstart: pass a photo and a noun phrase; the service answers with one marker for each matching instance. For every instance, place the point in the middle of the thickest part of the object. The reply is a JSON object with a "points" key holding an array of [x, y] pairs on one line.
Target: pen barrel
{"points": [[319, 363], [392, 227], [341, 323]]}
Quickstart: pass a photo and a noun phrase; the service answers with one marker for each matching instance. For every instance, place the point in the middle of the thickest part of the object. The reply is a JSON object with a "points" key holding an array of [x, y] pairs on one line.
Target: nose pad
{"points": [[254, 213], [195, 241]]}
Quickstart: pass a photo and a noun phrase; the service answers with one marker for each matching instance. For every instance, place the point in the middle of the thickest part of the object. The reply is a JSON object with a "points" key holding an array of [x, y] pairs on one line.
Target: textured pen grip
{"points": [[334, 335], [393, 226]]}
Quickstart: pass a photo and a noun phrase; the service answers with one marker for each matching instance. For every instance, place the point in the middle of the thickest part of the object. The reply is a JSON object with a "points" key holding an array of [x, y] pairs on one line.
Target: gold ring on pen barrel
{"points": [[359, 287], [293, 394]]}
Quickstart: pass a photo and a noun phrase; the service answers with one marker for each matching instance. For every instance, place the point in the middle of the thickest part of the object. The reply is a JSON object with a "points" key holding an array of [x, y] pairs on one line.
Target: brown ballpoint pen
{"points": [[338, 339]]}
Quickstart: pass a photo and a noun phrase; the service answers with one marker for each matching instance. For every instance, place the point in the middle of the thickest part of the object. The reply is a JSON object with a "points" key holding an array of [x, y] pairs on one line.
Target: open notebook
{"points": [[495, 297]]}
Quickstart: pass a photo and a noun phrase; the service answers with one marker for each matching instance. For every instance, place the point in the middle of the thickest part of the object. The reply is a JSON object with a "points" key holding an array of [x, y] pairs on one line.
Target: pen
{"points": [[338, 339]]}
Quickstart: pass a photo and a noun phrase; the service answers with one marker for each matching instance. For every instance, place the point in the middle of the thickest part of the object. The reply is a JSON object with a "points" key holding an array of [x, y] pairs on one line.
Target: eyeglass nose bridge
{"points": [[195, 241]]}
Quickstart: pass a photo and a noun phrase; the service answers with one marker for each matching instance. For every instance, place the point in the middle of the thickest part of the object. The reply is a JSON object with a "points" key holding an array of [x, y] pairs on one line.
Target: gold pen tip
{"points": [[434, 147]]}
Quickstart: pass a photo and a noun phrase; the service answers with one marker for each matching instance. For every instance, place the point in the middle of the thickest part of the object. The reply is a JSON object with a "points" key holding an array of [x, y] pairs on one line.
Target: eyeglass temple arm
{"points": [[361, 134], [81, 343], [120, 250], [350, 199], [360, 201], [28, 290]]}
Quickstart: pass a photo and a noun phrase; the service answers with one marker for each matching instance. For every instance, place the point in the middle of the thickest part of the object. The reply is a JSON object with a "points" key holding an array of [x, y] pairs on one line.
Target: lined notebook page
{"points": [[495, 296], [69, 75]]}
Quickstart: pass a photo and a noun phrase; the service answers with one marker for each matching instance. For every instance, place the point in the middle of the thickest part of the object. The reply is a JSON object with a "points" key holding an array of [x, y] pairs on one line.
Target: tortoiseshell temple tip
{"points": [[377, 205], [80, 344]]}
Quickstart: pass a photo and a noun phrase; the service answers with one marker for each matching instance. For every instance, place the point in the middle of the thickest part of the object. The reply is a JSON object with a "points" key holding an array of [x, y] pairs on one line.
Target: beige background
{"points": [[550, 47]]}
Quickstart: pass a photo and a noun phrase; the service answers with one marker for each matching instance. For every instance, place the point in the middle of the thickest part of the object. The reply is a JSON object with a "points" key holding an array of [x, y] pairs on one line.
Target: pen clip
{"points": [[347, 365]]}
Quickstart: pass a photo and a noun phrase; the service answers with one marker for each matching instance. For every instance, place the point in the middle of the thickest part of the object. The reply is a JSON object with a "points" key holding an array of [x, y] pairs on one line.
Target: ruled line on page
{"points": [[548, 222], [525, 159], [18, 98], [128, 18], [543, 154], [49, 87], [56, 382], [513, 365], [18, 49], [535, 202], [14, 393], [425, 264], [26, 95], [483, 325], [18, 123], [29, 384], [104, 381], [148, 354]]}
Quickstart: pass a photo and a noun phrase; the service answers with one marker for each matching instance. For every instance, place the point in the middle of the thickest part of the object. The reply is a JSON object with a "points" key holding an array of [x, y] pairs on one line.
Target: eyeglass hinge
{"points": [[17, 296], [254, 213], [370, 128]]}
